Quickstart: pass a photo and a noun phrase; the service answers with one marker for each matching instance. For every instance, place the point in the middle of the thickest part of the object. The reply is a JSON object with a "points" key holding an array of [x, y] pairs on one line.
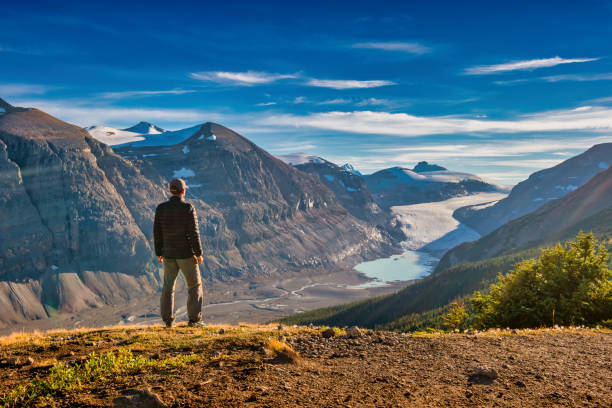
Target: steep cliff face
{"points": [[280, 217], [348, 188], [64, 216], [83, 218]]}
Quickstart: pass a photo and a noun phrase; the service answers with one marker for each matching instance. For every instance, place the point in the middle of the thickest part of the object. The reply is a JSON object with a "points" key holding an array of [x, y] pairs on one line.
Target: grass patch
{"points": [[98, 368], [281, 352]]}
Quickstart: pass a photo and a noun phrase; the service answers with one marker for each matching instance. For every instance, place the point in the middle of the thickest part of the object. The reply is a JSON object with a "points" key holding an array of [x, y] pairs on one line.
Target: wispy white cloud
{"points": [[266, 104], [560, 78], [347, 83], [11, 90], [585, 118], [248, 78], [299, 99], [132, 94], [579, 77], [372, 102], [524, 65], [409, 47], [336, 101]]}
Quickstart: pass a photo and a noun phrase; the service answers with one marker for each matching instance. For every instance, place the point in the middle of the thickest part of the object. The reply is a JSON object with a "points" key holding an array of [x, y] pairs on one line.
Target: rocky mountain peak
{"points": [[5, 105], [145, 128], [423, 166]]}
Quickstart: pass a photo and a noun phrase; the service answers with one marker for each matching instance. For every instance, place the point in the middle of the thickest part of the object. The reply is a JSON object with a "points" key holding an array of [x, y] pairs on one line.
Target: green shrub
{"points": [[566, 285], [456, 317]]}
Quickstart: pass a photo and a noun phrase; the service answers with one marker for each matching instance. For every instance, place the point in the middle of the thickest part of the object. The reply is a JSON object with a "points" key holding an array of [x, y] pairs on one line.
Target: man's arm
{"points": [[193, 232], [158, 238]]}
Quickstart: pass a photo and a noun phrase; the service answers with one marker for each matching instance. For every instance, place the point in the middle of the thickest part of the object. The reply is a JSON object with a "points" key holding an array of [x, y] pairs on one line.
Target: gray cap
{"points": [[177, 185]]}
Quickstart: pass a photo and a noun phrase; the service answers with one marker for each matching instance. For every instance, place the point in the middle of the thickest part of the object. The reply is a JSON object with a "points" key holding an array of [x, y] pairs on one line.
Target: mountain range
{"points": [[77, 224], [540, 188], [473, 265], [424, 183]]}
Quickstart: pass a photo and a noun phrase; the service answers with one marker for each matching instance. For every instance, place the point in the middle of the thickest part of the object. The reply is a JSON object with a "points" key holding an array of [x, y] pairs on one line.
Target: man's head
{"points": [[177, 187]]}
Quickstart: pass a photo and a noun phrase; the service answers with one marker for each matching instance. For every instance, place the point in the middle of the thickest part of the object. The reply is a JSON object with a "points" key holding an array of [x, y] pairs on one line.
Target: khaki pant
{"points": [[191, 272]]}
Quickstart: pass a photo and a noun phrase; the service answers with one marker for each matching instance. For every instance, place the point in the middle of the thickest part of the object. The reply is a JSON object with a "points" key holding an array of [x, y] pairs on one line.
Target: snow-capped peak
{"points": [[145, 128], [349, 167]]}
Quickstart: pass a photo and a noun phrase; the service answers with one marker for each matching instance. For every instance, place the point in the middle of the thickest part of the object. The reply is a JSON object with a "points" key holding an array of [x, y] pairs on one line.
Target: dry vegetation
{"points": [[272, 365]]}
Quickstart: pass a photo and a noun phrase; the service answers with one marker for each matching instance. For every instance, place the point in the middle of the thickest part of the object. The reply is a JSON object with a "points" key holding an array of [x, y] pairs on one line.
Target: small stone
{"points": [[407, 394], [506, 366], [521, 384], [328, 333], [221, 331], [354, 332], [142, 398], [470, 332], [468, 394], [485, 372], [13, 361], [29, 361]]}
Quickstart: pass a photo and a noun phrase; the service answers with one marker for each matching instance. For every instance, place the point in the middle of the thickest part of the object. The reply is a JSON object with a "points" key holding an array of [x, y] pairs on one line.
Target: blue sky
{"points": [[500, 89]]}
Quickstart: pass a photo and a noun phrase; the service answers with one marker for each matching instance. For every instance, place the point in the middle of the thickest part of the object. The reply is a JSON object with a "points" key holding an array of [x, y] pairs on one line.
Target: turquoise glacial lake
{"points": [[409, 265]]}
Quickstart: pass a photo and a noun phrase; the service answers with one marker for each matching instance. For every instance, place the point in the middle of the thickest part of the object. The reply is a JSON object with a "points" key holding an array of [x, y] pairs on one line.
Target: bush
{"points": [[567, 285], [456, 317]]}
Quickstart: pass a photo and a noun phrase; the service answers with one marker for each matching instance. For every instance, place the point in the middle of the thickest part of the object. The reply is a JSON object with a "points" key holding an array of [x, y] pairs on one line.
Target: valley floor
{"points": [[270, 300], [252, 366]]}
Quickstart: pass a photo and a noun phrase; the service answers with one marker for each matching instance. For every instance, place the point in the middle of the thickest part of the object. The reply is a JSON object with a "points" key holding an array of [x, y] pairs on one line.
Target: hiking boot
{"points": [[169, 325], [199, 324]]}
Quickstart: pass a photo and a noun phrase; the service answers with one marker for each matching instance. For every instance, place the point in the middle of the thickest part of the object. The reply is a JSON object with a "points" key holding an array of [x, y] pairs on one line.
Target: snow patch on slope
{"points": [[295, 159]]}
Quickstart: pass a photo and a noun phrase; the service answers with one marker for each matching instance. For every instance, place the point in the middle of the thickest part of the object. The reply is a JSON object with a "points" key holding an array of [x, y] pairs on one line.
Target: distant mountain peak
{"points": [[423, 166], [5, 105], [349, 167], [145, 128]]}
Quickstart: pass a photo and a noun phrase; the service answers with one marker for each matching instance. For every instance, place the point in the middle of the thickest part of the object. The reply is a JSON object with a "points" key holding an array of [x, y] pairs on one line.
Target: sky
{"points": [[500, 89]]}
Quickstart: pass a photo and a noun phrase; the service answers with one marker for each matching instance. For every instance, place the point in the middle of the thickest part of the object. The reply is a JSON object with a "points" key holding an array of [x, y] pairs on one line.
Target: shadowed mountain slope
{"points": [[540, 188]]}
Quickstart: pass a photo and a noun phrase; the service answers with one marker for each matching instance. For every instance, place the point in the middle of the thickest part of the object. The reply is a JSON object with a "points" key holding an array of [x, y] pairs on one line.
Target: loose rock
{"points": [[328, 333], [354, 332], [142, 398]]}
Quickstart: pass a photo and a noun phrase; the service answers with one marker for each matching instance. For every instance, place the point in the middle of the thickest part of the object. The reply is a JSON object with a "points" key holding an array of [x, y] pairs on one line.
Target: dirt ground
{"points": [[531, 368]]}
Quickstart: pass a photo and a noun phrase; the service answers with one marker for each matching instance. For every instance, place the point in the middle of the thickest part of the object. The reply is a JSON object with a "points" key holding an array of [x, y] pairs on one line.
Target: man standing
{"points": [[178, 246]]}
